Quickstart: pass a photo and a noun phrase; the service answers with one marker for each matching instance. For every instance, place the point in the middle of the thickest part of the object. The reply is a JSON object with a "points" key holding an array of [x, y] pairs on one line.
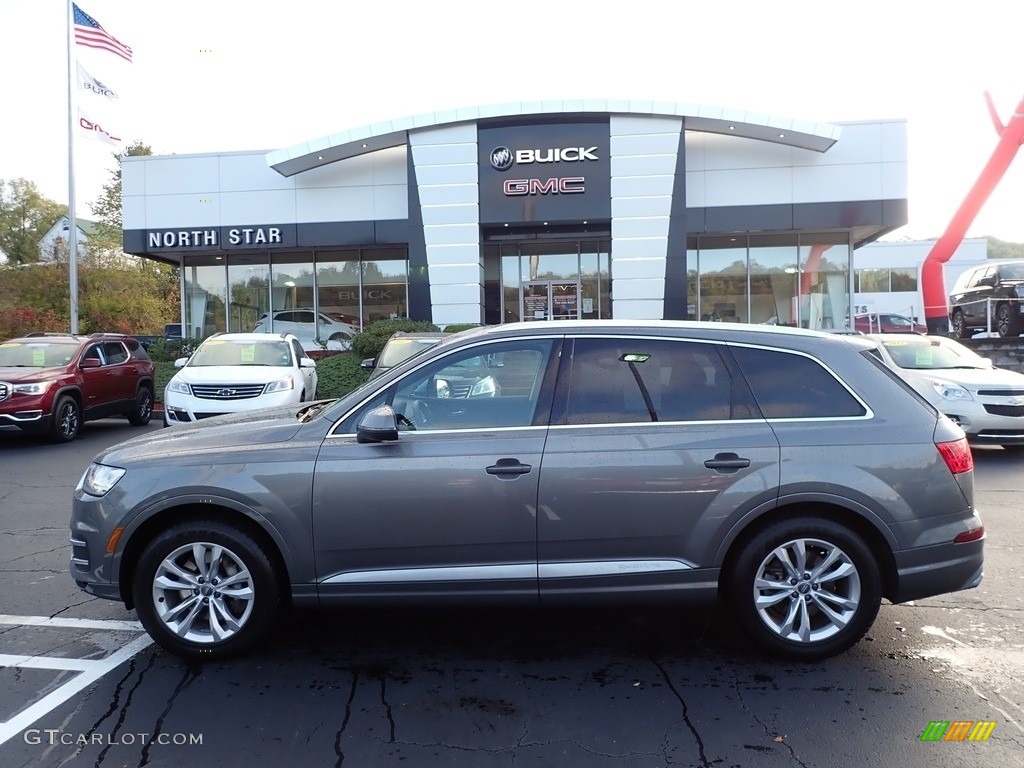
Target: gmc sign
{"points": [[568, 185]]}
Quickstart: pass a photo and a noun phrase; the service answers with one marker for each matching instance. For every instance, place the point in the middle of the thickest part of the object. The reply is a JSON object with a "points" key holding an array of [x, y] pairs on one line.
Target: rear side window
{"points": [[787, 385], [619, 380]]}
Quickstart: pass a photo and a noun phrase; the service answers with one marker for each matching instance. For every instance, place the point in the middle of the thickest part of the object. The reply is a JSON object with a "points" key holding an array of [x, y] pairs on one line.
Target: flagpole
{"points": [[72, 221]]}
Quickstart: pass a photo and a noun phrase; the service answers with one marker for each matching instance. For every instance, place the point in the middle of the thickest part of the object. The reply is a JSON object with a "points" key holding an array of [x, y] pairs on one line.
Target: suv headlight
{"points": [[949, 391], [177, 385], [1018, 290], [281, 385], [99, 478], [486, 387], [35, 388]]}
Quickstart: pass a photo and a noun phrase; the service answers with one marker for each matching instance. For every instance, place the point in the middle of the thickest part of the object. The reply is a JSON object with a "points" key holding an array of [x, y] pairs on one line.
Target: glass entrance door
{"points": [[550, 300]]}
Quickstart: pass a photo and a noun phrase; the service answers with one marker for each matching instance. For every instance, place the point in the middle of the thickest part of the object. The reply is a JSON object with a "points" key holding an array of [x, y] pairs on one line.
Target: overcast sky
{"points": [[227, 75]]}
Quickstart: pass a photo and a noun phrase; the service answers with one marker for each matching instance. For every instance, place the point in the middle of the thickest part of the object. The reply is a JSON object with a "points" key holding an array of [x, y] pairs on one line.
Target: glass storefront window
{"points": [[510, 283], [774, 284], [205, 294], [337, 280], [903, 279], [385, 284], [723, 279], [249, 285], [825, 280], [873, 280]]}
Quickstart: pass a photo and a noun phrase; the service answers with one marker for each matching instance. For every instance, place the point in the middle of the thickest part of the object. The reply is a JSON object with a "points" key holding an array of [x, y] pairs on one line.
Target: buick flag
{"points": [[90, 84]]}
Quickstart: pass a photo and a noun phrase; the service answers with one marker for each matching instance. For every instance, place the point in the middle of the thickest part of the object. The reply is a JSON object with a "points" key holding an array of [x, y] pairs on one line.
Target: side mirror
{"points": [[368, 363], [90, 362], [378, 425], [307, 362], [180, 362]]}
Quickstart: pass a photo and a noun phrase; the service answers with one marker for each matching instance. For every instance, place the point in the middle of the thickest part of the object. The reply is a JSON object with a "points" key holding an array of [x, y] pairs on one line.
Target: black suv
{"points": [[988, 296]]}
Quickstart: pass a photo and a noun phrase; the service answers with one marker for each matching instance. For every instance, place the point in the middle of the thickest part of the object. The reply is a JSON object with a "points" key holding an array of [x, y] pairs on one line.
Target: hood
{"points": [[261, 427], [232, 374], [975, 378], [30, 374]]}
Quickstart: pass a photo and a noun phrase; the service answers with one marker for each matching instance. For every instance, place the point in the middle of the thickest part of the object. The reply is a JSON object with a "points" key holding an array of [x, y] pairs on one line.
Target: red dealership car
{"points": [[885, 322], [52, 382]]}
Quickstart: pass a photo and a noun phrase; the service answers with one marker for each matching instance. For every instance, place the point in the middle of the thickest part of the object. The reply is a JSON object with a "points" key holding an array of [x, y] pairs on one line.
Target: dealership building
{"points": [[528, 211]]}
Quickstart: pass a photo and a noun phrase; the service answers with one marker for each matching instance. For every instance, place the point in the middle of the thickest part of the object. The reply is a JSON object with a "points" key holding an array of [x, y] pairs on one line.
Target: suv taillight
{"points": [[957, 455]]}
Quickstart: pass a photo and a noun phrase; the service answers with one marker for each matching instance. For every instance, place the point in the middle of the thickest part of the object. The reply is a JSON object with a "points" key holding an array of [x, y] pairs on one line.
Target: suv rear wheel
{"points": [[806, 588], [1007, 323]]}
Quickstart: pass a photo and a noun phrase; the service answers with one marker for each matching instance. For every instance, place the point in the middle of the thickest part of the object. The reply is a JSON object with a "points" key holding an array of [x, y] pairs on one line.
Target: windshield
{"points": [[1012, 271], [36, 354], [929, 354], [399, 350], [232, 352]]}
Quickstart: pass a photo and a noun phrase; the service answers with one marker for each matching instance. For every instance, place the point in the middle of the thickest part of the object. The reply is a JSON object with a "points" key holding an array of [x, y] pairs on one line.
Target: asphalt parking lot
{"points": [[81, 684]]}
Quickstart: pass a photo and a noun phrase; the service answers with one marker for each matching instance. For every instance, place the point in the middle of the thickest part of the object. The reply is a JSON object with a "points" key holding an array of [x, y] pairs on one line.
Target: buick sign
{"points": [[501, 158]]}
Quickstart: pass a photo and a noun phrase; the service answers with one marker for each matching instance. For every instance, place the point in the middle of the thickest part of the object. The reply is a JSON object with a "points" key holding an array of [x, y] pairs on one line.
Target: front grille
{"points": [[227, 391], [207, 415], [1005, 410], [1001, 392], [5, 390]]}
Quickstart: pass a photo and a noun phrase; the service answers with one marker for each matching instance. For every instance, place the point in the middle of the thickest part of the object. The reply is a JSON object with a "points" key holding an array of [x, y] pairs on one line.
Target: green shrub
{"points": [[456, 327], [164, 372], [371, 340], [163, 351], [339, 374]]}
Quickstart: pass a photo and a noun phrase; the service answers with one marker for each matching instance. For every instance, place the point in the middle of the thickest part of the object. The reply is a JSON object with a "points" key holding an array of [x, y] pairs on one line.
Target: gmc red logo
{"points": [[569, 185]]}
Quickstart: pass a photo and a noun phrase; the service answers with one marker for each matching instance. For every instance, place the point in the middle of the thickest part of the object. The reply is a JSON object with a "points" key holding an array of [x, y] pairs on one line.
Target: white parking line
{"points": [[89, 670]]}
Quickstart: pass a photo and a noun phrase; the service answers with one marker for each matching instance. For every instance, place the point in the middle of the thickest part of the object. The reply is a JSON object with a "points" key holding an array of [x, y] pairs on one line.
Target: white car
{"points": [[233, 372], [300, 322], [987, 402]]}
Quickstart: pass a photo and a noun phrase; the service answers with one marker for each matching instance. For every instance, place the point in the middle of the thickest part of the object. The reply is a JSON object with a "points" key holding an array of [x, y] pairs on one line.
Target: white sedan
{"points": [[987, 402], [233, 372]]}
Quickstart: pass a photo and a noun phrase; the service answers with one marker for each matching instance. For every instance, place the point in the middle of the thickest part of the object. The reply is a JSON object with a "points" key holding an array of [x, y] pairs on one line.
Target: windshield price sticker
{"points": [[248, 353], [38, 357], [923, 356]]}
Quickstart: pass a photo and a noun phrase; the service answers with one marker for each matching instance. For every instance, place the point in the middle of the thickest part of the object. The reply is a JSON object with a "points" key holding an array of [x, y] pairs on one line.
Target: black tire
{"points": [[142, 411], [67, 420], [1007, 324], [959, 330], [163, 608], [794, 607]]}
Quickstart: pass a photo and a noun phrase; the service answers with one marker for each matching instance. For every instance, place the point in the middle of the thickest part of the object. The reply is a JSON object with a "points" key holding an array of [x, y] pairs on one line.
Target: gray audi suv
{"points": [[788, 473]]}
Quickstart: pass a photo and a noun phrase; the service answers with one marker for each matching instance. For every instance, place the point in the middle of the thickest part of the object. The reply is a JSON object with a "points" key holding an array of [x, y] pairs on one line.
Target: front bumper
{"points": [[187, 409], [983, 426]]}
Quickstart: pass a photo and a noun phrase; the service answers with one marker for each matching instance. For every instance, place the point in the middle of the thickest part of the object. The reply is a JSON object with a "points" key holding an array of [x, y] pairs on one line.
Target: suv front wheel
{"points": [[67, 420], [806, 588], [205, 589], [142, 410], [959, 325]]}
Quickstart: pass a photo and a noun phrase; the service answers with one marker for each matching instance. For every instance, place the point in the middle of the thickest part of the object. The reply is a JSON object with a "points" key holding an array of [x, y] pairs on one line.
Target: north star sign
{"points": [[218, 237]]}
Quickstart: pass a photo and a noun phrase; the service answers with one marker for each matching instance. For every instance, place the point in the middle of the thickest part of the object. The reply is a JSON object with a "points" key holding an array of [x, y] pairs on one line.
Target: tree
{"points": [[107, 208], [25, 216]]}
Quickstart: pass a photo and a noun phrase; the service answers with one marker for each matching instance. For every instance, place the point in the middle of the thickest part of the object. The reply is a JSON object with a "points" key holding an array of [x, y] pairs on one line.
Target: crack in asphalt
{"points": [[36, 554], [344, 722], [519, 745], [387, 708], [686, 712], [73, 605], [33, 570], [27, 531], [190, 676], [767, 731]]}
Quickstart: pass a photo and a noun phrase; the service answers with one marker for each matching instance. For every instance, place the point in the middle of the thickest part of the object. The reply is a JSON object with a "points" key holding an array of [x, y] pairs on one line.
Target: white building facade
{"points": [[530, 211]]}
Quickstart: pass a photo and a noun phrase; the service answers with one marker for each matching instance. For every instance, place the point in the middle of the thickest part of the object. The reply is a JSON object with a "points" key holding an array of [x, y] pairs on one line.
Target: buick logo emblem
{"points": [[502, 158]]}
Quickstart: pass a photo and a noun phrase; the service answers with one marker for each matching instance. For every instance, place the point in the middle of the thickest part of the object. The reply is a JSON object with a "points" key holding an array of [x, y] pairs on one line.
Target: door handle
{"points": [[509, 467], [727, 462]]}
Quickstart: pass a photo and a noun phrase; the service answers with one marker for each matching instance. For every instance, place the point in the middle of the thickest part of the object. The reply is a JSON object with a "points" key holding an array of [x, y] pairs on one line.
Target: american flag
{"points": [[89, 33]]}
